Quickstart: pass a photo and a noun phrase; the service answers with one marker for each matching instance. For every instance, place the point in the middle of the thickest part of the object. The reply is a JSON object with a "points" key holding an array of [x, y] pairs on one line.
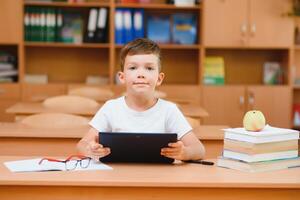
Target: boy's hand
{"points": [[96, 150], [174, 150]]}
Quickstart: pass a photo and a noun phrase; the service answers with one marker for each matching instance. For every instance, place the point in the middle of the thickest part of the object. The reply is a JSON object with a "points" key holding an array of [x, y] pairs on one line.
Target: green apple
{"points": [[254, 120]]}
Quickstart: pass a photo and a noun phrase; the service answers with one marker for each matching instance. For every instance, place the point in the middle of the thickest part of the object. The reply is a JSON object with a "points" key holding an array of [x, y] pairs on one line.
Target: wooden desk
{"points": [[24, 109], [21, 140], [141, 181], [18, 139]]}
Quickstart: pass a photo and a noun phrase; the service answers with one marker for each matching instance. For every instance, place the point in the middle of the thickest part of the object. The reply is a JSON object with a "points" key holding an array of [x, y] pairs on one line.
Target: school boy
{"points": [[139, 110]]}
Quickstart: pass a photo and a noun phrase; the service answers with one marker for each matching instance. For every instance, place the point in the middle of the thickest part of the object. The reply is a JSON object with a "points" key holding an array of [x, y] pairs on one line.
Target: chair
{"points": [[98, 94], [71, 104], [55, 120]]}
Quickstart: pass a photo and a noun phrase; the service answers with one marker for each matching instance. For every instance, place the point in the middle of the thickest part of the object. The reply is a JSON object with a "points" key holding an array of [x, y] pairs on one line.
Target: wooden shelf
{"points": [[66, 4], [172, 46], [157, 6], [65, 45]]}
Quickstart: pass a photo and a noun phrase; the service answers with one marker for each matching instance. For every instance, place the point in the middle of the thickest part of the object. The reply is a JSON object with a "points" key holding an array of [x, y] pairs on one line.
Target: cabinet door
{"points": [[268, 28], [225, 23], [11, 21], [225, 105], [274, 101]]}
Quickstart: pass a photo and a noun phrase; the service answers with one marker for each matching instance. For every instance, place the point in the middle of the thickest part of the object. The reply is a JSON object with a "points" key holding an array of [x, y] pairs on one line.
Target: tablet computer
{"points": [[136, 147]]}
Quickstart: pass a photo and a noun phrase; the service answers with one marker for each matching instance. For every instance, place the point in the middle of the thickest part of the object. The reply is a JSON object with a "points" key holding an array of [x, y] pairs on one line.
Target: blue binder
{"points": [[119, 26]]}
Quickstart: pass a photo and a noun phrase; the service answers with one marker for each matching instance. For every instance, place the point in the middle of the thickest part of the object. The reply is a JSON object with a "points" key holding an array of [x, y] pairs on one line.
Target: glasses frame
{"points": [[79, 159]]}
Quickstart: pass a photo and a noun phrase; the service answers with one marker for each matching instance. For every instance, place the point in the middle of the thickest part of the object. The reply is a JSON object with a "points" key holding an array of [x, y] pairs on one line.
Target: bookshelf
{"points": [[238, 33]]}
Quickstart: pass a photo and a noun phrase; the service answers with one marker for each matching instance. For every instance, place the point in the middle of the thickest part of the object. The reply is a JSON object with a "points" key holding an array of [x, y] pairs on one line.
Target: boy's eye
{"points": [[132, 68], [149, 68]]}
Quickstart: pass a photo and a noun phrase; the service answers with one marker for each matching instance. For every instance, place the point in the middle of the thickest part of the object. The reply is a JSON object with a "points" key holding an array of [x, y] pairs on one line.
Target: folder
{"points": [[119, 26], [91, 28], [101, 30], [138, 23], [128, 27]]}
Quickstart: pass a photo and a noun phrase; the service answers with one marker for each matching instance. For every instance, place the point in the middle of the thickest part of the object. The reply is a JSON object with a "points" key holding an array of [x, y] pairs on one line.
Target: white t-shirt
{"points": [[163, 117]]}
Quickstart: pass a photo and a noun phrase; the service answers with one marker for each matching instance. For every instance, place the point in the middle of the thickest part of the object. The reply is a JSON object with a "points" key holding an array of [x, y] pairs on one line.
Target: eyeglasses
{"points": [[71, 162]]}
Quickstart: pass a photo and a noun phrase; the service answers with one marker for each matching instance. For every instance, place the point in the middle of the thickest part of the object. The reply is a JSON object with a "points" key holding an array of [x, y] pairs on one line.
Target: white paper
{"points": [[32, 165], [266, 131]]}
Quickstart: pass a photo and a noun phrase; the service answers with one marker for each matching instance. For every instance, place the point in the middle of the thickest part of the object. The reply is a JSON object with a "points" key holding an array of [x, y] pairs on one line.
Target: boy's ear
{"points": [[121, 77], [161, 77]]}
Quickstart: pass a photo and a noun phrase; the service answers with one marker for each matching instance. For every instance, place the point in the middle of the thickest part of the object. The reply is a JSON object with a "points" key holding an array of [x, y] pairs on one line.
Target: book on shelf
{"points": [[268, 134], [272, 74], [260, 157], [258, 166], [254, 148], [214, 70], [184, 29], [91, 26], [159, 28], [129, 24], [102, 26], [8, 73], [72, 29]]}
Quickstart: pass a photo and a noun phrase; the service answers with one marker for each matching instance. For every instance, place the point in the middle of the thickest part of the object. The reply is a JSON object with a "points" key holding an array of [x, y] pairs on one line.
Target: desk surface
{"points": [[25, 108], [146, 175]]}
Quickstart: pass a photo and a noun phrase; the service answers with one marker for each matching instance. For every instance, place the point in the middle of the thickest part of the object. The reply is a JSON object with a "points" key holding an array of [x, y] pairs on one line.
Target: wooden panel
{"points": [[274, 102], [4, 116], [10, 92], [66, 64], [9, 95], [38, 146], [36, 92], [246, 66], [224, 104], [182, 93], [144, 193], [11, 21], [225, 23], [268, 28]]}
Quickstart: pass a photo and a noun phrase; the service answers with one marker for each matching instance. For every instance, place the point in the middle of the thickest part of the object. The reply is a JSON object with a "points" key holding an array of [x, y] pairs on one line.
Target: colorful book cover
{"points": [[184, 28], [214, 72], [159, 28]]}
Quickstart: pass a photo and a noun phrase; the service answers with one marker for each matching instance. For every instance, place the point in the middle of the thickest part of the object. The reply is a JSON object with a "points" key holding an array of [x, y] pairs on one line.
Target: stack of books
{"points": [[269, 149]]}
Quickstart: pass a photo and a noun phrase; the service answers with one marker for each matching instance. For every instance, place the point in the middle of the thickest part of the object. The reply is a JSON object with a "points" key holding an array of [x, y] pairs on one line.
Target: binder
{"points": [[119, 26], [138, 23], [92, 24], [128, 27], [101, 31], [27, 26]]}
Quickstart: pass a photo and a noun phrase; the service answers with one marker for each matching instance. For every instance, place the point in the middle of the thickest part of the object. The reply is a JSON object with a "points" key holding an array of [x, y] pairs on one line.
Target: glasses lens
{"points": [[85, 162], [71, 164]]}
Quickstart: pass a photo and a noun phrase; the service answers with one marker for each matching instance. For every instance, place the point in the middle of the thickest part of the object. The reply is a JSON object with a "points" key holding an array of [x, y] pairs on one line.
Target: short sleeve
{"points": [[101, 120], [176, 122]]}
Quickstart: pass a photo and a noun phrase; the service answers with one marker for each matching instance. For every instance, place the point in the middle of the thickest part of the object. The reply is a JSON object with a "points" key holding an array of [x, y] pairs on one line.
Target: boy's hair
{"points": [[140, 46]]}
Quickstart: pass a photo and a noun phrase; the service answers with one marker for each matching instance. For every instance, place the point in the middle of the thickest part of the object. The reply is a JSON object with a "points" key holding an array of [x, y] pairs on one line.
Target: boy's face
{"points": [[141, 74]]}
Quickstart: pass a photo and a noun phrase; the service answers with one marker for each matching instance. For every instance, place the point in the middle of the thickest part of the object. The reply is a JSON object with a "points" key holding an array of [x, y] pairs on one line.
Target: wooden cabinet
{"points": [[247, 23], [274, 101], [9, 95], [228, 104], [11, 22]]}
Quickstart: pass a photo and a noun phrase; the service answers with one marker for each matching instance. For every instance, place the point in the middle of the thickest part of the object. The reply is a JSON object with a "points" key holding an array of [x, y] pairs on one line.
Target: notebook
{"points": [[136, 147]]}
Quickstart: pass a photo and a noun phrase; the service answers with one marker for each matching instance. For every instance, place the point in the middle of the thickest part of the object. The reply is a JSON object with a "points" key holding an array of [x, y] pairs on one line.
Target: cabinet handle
{"points": [[251, 100], [244, 29], [242, 101], [253, 29]]}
